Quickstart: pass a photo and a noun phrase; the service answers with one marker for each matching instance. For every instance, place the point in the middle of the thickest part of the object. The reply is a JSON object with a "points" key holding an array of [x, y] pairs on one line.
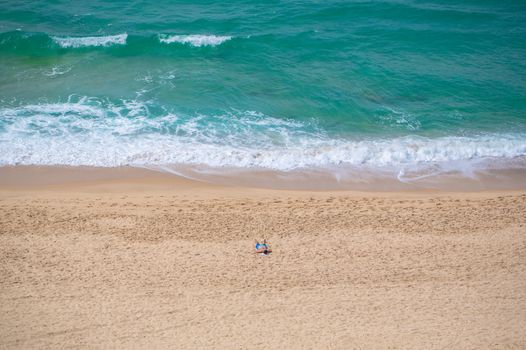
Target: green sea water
{"points": [[276, 85]]}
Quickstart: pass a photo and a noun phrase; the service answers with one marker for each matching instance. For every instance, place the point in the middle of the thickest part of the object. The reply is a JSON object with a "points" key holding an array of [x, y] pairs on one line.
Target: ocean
{"points": [[407, 89]]}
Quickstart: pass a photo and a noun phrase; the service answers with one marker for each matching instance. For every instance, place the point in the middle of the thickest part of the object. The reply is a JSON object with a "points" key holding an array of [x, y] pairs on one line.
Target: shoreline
{"points": [[132, 258], [63, 177]]}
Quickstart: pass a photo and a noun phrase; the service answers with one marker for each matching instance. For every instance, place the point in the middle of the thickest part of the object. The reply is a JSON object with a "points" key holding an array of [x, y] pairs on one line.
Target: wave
{"points": [[41, 44], [76, 42], [93, 132], [194, 40]]}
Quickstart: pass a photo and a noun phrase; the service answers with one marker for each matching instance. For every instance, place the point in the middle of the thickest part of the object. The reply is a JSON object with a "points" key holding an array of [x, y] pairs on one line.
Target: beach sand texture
{"points": [[159, 262]]}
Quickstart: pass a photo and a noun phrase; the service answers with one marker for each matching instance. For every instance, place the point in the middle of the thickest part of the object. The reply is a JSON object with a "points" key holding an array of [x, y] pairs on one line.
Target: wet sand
{"points": [[129, 258]]}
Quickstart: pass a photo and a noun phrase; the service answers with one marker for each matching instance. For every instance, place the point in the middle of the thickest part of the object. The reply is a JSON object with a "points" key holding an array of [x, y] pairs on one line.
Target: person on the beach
{"points": [[263, 248]]}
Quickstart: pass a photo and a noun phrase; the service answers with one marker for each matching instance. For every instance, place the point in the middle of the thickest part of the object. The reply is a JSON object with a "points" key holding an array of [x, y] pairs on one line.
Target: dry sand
{"points": [[133, 259]]}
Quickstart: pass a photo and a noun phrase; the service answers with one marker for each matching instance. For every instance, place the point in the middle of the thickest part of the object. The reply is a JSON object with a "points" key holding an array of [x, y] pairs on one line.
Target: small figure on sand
{"points": [[263, 248]]}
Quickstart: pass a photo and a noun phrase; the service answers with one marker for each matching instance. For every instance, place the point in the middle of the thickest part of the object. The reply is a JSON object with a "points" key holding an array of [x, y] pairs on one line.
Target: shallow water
{"points": [[398, 86]]}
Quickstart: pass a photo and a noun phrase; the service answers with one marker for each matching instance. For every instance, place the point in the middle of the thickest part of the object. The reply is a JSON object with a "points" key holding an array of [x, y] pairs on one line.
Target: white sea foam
{"points": [[194, 40], [57, 70], [76, 42], [91, 132]]}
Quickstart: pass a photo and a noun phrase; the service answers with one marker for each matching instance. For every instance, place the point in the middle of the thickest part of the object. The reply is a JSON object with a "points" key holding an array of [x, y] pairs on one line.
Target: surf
{"points": [[196, 40], [104, 41], [90, 131]]}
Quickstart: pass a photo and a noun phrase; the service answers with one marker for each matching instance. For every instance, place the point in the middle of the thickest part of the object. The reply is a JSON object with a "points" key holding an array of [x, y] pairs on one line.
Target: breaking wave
{"points": [[43, 43], [76, 42], [194, 40], [87, 131]]}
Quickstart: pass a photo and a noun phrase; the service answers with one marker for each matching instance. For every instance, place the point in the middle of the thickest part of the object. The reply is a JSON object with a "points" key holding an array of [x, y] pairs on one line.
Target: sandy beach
{"points": [[128, 258]]}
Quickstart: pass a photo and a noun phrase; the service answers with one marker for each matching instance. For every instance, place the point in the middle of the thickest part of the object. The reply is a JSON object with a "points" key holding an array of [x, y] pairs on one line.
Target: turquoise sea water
{"points": [[279, 85]]}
